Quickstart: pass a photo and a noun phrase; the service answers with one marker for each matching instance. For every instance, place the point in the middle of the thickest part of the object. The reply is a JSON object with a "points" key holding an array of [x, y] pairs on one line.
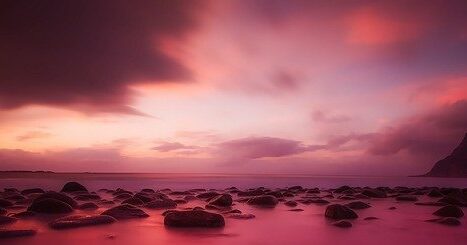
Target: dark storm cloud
{"points": [[84, 54]]}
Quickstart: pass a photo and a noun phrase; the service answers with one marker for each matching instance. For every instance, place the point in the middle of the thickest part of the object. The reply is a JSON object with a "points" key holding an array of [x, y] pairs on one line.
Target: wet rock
{"points": [[145, 197], [189, 198], [5, 203], [370, 218], [242, 216], [263, 201], [291, 203], [234, 211], [88, 206], [449, 211], [57, 196], [75, 221], [313, 191], [50, 206], [392, 208], [224, 200], [342, 189], [406, 198], [438, 204], [7, 233], [3, 211], [32, 191], [24, 214], [15, 197], [358, 205], [250, 193], [133, 201], [207, 195], [72, 187], [107, 202], [147, 190], [343, 224], [7, 220], [451, 221], [125, 211], [337, 211], [296, 210], [193, 219], [452, 201], [435, 193], [180, 201], [123, 196], [374, 193], [161, 204]]}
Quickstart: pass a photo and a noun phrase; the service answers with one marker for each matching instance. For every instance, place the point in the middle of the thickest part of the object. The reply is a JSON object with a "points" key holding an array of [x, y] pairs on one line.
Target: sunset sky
{"points": [[257, 86]]}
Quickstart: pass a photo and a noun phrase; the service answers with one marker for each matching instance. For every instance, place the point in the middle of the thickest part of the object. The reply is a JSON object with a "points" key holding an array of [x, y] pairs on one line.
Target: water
{"points": [[217, 181], [404, 225]]}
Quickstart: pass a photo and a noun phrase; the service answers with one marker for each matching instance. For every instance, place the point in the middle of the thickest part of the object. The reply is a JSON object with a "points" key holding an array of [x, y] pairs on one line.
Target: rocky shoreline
{"points": [[75, 206]]}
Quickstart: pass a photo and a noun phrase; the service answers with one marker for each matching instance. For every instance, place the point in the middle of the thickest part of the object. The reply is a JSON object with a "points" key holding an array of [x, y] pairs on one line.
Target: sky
{"points": [[259, 86]]}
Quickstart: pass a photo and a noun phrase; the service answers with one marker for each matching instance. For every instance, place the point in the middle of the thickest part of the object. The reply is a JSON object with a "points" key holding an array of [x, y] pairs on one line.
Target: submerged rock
{"points": [[193, 219], [296, 210], [88, 206], [449, 211], [57, 196], [337, 211], [370, 218], [161, 204], [263, 201], [207, 195], [50, 206], [343, 224], [407, 198], [451, 221], [125, 211], [358, 205], [24, 214], [7, 233], [75, 221], [7, 220], [224, 200], [291, 203], [3, 211], [374, 193], [242, 216], [73, 186], [133, 201]]}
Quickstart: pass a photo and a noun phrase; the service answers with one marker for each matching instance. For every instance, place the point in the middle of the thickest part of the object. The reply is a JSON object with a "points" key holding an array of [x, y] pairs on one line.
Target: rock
{"points": [[87, 197], [32, 191], [250, 193], [148, 190], [342, 189], [207, 195], [24, 214], [123, 196], [435, 193], [50, 206], [342, 224], [133, 201], [73, 186], [193, 219], [370, 218], [7, 220], [161, 204], [4, 233], [449, 211], [189, 198], [453, 165], [407, 198], [451, 221], [452, 201], [337, 211], [125, 211], [75, 221], [358, 205], [313, 191], [392, 208], [234, 211], [57, 196], [291, 203], [263, 201], [430, 204], [180, 201], [296, 210], [319, 201], [88, 206], [224, 200], [242, 216], [5, 203], [374, 193], [3, 211]]}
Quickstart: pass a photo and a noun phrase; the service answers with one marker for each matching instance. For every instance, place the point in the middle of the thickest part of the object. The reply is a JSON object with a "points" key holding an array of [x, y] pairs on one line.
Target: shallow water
{"points": [[405, 225]]}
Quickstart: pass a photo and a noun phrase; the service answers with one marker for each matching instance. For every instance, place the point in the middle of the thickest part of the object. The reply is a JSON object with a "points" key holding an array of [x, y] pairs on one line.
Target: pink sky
{"points": [[319, 87]]}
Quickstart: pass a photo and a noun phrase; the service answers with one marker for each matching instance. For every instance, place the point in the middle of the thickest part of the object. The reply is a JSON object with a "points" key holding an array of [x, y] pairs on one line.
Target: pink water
{"points": [[405, 225]]}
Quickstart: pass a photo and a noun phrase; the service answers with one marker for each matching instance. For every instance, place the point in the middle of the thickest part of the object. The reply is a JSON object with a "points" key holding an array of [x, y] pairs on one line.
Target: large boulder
{"points": [[449, 211], [73, 186], [57, 196], [4, 233], [161, 204], [50, 206], [125, 211], [5, 203], [133, 201], [224, 200], [263, 201], [193, 218], [337, 211], [75, 221], [32, 191]]}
